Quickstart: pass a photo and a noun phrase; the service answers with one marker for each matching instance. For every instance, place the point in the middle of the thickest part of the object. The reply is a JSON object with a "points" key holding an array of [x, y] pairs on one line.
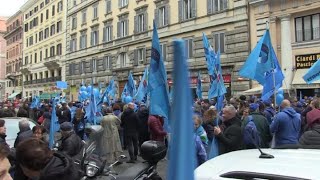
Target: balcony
{"points": [[52, 62], [26, 82]]}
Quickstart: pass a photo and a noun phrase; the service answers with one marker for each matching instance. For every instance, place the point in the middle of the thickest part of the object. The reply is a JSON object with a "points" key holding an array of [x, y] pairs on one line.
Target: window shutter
{"points": [[127, 27], [194, 8], [108, 6], [97, 42], [167, 14], [110, 62], [111, 33], [209, 6], [187, 47], [180, 10], [190, 47], [135, 24], [222, 42], [156, 17], [225, 4], [135, 57], [103, 61], [91, 66], [119, 29], [144, 55], [164, 49], [145, 28], [80, 69], [216, 42], [104, 35], [70, 70], [73, 69], [91, 39]]}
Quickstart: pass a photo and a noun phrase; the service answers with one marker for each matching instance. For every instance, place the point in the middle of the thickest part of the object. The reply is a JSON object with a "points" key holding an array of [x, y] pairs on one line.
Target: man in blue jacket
{"points": [[286, 125]]}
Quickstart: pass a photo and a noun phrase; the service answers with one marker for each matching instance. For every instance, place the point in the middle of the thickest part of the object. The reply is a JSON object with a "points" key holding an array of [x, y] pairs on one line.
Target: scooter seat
{"points": [[133, 171]]}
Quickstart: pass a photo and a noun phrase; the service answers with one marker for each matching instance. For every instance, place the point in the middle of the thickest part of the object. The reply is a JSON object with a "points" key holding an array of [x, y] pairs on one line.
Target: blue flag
{"points": [[260, 60], [62, 85], [217, 87], [92, 110], [131, 88], [199, 86], [313, 73], [143, 87], [182, 145], [271, 84], [124, 93], [54, 123], [35, 102], [209, 53], [157, 81]]}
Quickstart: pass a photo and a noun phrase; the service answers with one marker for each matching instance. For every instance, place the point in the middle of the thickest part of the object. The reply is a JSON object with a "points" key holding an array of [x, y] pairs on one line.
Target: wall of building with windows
{"points": [[295, 35], [14, 48], [110, 38], [44, 45]]}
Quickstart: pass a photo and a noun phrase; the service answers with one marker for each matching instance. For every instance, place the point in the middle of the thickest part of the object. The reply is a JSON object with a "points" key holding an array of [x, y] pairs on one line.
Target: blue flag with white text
{"points": [[124, 93], [143, 87], [313, 73], [199, 86], [217, 87], [157, 80], [182, 144], [131, 88], [209, 54]]}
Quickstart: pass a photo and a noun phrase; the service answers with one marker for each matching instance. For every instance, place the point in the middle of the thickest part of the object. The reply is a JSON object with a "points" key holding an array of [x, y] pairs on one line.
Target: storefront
{"points": [[302, 64]]}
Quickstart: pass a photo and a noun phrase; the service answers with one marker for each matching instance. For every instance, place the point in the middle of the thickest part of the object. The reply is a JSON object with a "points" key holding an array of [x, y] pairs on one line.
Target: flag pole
{"points": [[273, 73]]}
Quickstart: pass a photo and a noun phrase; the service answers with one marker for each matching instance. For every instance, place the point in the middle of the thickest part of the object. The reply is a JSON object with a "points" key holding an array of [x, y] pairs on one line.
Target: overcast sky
{"points": [[10, 7]]}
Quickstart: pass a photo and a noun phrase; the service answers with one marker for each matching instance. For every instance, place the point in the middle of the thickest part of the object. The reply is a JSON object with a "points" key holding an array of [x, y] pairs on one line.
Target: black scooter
{"points": [[93, 168]]}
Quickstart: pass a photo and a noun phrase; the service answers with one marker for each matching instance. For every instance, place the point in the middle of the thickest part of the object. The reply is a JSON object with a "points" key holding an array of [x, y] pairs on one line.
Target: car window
{"points": [[13, 128]]}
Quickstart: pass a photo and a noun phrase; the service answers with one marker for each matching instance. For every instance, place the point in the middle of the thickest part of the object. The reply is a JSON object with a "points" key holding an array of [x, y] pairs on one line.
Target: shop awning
{"points": [[45, 96], [13, 95], [255, 90], [299, 83]]}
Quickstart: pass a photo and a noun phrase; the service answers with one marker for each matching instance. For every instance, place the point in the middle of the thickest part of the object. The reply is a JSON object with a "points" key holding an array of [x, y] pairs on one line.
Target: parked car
{"points": [[12, 125], [287, 164]]}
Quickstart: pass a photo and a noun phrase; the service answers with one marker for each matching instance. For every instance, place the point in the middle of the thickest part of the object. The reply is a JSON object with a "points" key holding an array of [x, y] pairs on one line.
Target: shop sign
{"points": [[306, 61]]}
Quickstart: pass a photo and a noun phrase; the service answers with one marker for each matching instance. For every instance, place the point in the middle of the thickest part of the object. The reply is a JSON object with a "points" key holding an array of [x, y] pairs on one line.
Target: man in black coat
{"points": [[64, 114], [24, 133], [143, 115], [39, 162], [129, 122], [71, 143], [229, 134]]}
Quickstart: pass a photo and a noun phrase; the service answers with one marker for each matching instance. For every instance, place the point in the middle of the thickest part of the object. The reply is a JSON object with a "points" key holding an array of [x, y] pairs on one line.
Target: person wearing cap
{"points": [[71, 144], [261, 123], [269, 111], [286, 125]]}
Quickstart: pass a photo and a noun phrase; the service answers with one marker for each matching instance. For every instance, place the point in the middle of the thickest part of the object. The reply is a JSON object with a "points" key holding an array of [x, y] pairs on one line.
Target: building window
{"points": [[107, 33], [46, 53], [47, 14], [187, 9], [307, 28], [31, 41], [59, 26], [59, 49], [189, 48], [162, 16], [74, 22], [53, 28], [83, 40], [163, 51], [217, 5], [41, 5], [41, 18], [84, 17], [141, 56], [108, 6], [26, 27], [94, 36], [53, 10], [95, 12], [94, 65], [52, 51], [40, 56], [47, 1], [123, 3], [73, 43], [123, 28], [46, 33], [218, 39], [140, 23], [74, 2], [35, 57], [60, 6], [107, 62], [123, 59], [26, 60]]}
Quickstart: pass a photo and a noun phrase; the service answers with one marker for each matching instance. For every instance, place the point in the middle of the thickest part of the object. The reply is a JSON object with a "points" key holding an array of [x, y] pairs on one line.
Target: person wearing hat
{"points": [[71, 144], [261, 123], [269, 111]]}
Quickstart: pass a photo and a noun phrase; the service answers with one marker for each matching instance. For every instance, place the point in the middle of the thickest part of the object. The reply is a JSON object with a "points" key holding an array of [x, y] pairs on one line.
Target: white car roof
{"points": [[298, 163]]}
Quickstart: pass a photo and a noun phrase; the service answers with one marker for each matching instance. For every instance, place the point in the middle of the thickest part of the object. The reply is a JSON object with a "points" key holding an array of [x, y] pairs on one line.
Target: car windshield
{"points": [[12, 126]]}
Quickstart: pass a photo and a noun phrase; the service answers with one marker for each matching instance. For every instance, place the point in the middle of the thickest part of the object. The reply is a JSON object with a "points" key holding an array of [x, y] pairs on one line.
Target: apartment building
{"points": [[110, 38], [14, 47], [295, 33], [2, 57], [44, 46]]}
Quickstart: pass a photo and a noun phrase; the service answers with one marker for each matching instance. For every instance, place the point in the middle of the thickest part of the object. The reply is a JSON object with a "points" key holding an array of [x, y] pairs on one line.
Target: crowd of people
{"points": [[126, 126]]}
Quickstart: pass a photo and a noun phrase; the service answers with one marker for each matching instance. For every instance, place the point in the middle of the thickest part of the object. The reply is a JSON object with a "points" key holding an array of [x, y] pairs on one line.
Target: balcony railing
{"points": [[43, 80]]}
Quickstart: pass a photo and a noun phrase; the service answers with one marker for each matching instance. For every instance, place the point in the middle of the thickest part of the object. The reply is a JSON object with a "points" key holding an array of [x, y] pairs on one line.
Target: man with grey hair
{"points": [[24, 133], [229, 134]]}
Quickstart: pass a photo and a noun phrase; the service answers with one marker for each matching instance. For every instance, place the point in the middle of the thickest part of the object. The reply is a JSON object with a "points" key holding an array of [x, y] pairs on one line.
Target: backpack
{"points": [[250, 133]]}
